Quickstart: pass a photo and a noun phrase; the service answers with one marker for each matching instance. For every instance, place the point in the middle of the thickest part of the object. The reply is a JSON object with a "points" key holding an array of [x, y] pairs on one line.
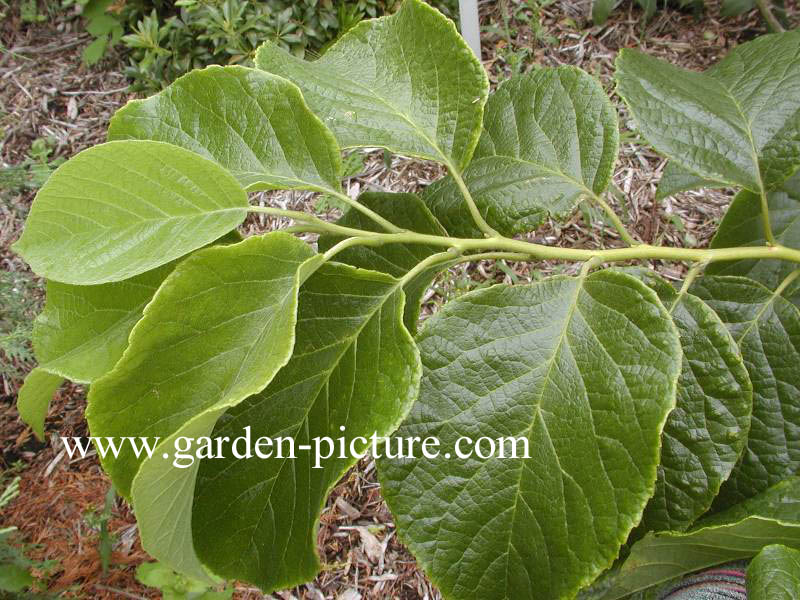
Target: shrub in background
{"points": [[169, 39]]}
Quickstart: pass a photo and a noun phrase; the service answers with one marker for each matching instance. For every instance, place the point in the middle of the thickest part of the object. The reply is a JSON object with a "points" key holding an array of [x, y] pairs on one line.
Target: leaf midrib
{"points": [[537, 414]]}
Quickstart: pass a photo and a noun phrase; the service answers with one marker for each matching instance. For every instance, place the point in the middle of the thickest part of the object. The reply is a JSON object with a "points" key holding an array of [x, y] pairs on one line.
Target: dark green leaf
{"points": [[734, 8], [549, 139], [743, 225], [767, 329], [601, 9], [406, 211], [584, 369], [707, 431], [739, 532], [677, 179], [354, 372], [739, 122]]}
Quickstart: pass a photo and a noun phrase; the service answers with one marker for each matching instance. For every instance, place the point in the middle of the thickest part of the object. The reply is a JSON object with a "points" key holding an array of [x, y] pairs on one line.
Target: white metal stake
{"points": [[470, 29]]}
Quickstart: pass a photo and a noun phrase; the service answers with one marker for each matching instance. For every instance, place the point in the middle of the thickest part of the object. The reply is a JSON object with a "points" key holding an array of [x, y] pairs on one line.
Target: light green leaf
{"points": [[354, 366], [743, 225], [15, 578], [254, 124], [767, 329], [407, 82], [677, 179], [774, 574], [739, 532], [406, 211], [216, 331], [34, 397], [739, 122], [125, 208], [707, 431], [83, 329], [95, 50], [549, 139], [592, 359]]}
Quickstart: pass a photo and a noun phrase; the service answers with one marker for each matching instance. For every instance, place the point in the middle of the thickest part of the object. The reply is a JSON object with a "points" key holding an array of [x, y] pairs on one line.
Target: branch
{"points": [[542, 252], [615, 221], [769, 16], [768, 235], [487, 229]]}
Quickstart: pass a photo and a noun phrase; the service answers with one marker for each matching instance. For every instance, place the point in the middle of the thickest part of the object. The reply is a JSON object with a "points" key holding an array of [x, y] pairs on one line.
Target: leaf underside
{"points": [[127, 207], [84, 329], [254, 124], [407, 82], [217, 331]]}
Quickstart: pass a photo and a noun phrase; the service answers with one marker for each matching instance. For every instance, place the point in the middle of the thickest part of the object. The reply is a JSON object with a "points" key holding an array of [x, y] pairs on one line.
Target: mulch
{"points": [[45, 91]]}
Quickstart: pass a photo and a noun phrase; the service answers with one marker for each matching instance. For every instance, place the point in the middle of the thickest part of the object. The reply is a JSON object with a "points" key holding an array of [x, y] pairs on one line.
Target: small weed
{"points": [[20, 298], [16, 570], [178, 587]]}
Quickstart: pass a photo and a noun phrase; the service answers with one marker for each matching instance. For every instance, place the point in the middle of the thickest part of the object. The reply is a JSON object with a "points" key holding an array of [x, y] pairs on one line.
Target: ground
{"points": [[45, 92]]}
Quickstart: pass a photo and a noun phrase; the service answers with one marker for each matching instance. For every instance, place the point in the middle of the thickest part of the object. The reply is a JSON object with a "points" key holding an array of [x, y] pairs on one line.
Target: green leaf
{"points": [[254, 124], [101, 25], [84, 329], [216, 331], [649, 7], [774, 574], [15, 578], [550, 138], [406, 211], [591, 359], [677, 179], [34, 398], [407, 82], [743, 225], [739, 122], [707, 431], [95, 50], [734, 8], [125, 208], [767, 329], [601, 9], [739, 532], [354, 366], [240, 333]]}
